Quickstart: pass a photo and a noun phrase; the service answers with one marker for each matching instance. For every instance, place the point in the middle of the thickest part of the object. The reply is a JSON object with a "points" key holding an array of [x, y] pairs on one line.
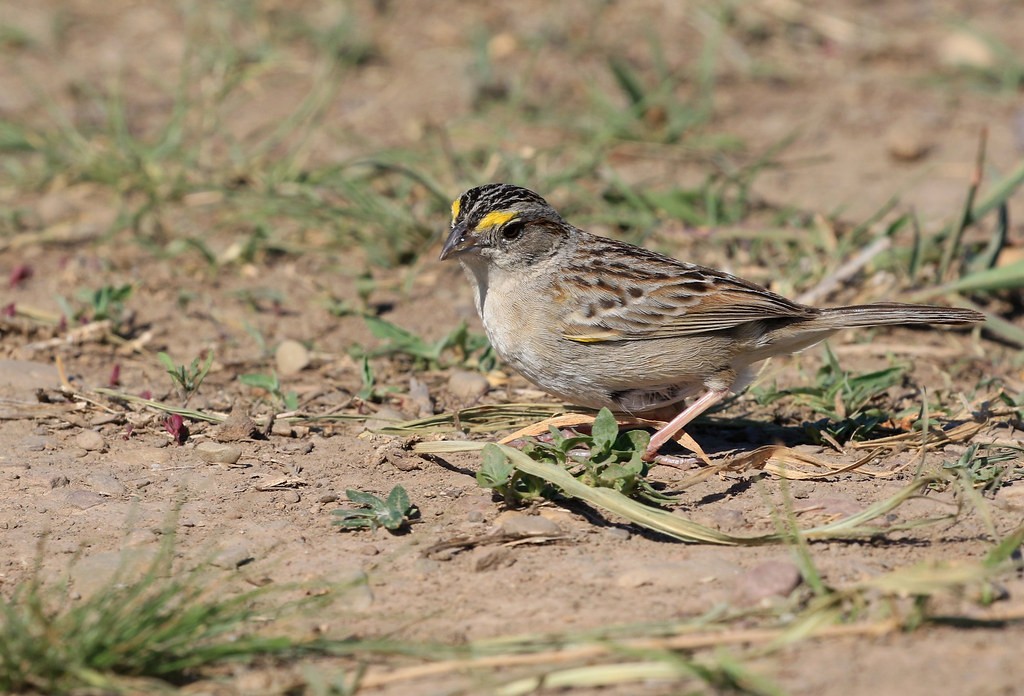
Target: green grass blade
{"points": [[664, 522]]}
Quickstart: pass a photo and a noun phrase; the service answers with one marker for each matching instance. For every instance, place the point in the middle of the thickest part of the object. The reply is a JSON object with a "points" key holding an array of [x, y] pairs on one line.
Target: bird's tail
{"points": [[888, 313]]}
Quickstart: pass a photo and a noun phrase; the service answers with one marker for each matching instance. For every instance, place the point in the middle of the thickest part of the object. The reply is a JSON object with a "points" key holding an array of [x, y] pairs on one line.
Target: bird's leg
{"points": [[699, 406]]}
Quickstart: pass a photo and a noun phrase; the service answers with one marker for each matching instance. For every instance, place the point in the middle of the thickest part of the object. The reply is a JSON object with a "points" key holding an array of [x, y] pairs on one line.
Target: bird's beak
{"points": [[459, 240]]}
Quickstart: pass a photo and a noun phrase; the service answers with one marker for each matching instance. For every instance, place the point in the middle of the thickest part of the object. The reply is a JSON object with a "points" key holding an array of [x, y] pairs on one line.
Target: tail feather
{"points": [[885, 313]]}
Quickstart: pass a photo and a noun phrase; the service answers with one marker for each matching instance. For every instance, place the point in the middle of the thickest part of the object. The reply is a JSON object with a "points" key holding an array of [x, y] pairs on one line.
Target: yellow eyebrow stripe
{"points": [[495, 218], [455, 209]]}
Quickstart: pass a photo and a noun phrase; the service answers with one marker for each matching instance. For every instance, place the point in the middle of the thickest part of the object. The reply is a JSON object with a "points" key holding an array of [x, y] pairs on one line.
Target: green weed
{"points": [[393, 513], [190, 378], [105, 303], [286, 400], [458, 348], [136, 634], [654, 109], [988, 468], [605, 458], [846, 399]]}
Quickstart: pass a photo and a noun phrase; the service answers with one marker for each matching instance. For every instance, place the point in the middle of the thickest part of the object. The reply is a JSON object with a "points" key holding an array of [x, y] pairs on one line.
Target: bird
{"points": [[598, 322]]}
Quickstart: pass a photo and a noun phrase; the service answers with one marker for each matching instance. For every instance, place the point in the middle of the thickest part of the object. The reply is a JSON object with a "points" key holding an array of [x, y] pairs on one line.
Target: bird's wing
{"points": [[664, 298]]}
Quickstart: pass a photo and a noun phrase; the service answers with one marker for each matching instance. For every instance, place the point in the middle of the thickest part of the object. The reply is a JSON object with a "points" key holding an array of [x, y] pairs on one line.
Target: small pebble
{"points": [[767, 580], [37, 443], [618, 533], [299, 447], [238, 426], [962, 48], [291, 497], [907, 142], [90, 441], [517, 524], [283, 429], [419, 397], [105, 418], [104, 484], [485, 558], [218, 452], [84, 499], [291, 358], [328, 498], [232, 557], [468, 386], [59, 481]]}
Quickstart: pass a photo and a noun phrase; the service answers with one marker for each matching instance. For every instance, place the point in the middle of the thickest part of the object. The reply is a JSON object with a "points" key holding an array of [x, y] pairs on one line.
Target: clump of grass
{"points": [[459, 348], [136, 633], [654, 110], [847, 400], [105, 303], [987, 467]]}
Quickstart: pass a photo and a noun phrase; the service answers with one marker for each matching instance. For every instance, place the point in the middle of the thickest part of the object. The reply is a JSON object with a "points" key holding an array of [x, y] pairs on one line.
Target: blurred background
{"points": [[358, 121]]}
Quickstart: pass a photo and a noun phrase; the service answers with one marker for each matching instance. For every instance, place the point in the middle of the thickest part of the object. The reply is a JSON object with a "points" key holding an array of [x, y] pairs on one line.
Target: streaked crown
{"points": [[491, 205]]}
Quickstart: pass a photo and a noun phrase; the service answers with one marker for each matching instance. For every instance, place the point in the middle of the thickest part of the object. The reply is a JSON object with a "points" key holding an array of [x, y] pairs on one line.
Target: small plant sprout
{"points": [[289, 401], [469, 348], [394, 514], [369, 390], [106, 302], [988, 468], [843, 397], [188, 378]]}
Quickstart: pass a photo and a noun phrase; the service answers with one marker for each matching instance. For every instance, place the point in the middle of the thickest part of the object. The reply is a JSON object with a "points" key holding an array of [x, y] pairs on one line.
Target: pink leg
{"points": [[702, 404]]}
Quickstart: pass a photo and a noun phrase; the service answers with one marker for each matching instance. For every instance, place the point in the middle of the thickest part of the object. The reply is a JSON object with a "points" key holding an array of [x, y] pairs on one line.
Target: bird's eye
{"points": [[511, 231]]}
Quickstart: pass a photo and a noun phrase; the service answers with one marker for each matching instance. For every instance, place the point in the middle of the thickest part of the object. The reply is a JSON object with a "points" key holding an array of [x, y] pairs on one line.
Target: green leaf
{"points": [[391, 519], [398, 499], [201, 374], [166, 361], [495, 469], [259, 380], [1006, 548], [367, 499], [635, 441], [605, 430], [399, 339], [291, 401]]}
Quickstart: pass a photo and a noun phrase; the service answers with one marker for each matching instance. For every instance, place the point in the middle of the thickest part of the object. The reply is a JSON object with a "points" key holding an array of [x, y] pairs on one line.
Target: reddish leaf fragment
{"points": [[175, 425], [19, 274]]}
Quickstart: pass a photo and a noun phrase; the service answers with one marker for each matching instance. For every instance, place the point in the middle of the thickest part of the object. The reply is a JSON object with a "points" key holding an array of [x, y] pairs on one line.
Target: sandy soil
{"points": [[876, 111]]}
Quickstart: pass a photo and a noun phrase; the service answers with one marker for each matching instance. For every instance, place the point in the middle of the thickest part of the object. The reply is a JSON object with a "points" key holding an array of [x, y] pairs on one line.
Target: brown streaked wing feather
{"points": [[638, 294]]}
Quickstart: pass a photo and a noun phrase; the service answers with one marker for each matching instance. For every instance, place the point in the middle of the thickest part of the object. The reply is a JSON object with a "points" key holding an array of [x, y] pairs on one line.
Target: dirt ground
{"points": [[876, 108]]}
